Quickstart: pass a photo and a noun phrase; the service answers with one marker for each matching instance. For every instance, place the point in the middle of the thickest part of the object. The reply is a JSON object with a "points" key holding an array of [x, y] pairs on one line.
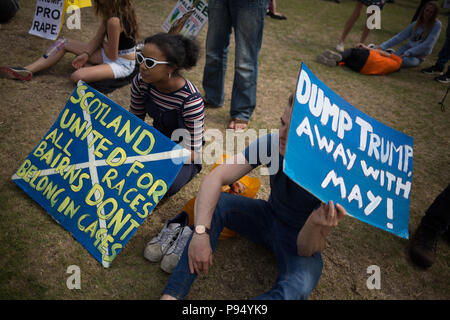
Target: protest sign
{"points": [[338, 153], [187, 18], [100, 171], [49, 15]]}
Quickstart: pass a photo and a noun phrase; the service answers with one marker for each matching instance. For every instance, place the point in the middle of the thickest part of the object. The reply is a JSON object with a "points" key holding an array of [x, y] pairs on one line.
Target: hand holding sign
{"points": [[339, 153], [328, 215]]}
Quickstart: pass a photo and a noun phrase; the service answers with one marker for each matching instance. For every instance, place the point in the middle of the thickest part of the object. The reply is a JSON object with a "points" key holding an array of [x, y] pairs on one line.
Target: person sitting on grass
{"points": [[363, 59], [172, 101], [421, 36], [293, 223], [98, 59]]}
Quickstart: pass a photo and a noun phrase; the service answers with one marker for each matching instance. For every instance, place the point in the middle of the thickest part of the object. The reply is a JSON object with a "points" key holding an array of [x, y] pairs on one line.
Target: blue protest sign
{"points": [[100, 171], [339, 153]]}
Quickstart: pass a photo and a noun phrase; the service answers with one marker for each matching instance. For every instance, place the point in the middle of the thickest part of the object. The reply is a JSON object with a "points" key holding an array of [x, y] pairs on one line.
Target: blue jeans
{"points": [[444, 54], [408, 62], [246, 17], [255, 219]]}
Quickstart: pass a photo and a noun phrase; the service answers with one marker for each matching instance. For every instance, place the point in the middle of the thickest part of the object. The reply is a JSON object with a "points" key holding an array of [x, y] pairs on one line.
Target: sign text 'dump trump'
{"points": [[339, 153]]}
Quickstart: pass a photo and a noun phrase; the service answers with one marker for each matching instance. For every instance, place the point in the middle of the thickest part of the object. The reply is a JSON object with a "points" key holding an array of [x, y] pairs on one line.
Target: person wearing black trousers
{"points": [[433, 225]]}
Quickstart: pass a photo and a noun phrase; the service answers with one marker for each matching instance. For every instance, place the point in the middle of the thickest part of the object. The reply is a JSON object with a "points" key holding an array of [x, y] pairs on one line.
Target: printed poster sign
{"points": [[100, 171], [49, 15], [187, 18], [339, 153]]}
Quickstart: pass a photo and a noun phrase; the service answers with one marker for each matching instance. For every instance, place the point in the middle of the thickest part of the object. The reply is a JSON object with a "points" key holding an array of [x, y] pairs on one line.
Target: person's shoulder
{"points": [[113, 22], [438, 23], [190, 87]]}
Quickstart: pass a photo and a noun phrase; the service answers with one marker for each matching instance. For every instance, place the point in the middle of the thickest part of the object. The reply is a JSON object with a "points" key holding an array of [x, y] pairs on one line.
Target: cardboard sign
{"points": [[339, 153], [100, 171], [49, 15], [187, 18]]}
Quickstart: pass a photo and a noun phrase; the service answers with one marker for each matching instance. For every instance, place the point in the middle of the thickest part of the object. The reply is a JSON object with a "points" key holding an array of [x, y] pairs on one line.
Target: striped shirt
{"points": [[187, 99]]}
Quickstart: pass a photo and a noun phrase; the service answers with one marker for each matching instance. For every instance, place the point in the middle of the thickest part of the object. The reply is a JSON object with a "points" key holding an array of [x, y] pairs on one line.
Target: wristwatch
{"points": [[201, 229]]}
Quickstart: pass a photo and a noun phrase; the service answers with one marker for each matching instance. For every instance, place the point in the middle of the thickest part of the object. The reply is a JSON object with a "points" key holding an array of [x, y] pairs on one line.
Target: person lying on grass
{"points": [[363, 59]]}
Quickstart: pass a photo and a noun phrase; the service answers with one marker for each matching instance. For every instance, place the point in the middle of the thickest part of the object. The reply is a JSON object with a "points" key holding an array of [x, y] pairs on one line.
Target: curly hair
{"points": [[123, 9], [180, 51]]}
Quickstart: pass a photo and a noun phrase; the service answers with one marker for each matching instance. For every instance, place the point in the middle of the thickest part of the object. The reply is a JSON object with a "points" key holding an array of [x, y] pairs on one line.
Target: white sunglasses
{"points": [[148, 62]]}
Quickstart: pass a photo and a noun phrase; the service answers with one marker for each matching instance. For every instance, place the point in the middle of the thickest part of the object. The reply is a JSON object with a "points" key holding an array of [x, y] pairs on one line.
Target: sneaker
{"points": [[321, 58], [330, 54], [157, 247], [389, 50], [17, 73], [445, 78], [340, 47], [173, 255], [432, 70], [423, 247]]}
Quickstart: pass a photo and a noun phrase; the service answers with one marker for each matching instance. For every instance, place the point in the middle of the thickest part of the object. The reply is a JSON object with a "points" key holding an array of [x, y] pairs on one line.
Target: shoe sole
{"points": [[434, 73], [443, 81], [332, 55], [324, 60], [23, 75]]}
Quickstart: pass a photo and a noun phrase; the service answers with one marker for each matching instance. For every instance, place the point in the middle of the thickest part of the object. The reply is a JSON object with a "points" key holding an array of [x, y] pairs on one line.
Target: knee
{"points": [[76, 76]]}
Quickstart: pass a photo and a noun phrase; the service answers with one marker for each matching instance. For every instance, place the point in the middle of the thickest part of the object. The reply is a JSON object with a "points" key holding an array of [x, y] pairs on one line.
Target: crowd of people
{"points": [[292, 223]]}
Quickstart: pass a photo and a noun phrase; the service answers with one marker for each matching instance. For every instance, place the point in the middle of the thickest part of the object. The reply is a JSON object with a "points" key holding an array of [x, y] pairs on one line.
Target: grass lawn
{"points": [[35, 252]]}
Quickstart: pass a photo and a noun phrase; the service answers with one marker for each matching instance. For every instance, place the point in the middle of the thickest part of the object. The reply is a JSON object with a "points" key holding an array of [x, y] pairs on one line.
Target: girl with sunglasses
{"points": [[171, 100], [109, 55]]}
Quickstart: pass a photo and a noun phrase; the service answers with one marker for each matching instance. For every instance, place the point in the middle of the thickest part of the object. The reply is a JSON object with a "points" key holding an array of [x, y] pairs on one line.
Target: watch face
{"points": [[200, 229]]}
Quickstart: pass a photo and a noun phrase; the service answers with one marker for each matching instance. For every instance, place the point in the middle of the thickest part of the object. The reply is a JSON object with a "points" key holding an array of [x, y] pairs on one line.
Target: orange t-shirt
{"points": [[378, 64]]}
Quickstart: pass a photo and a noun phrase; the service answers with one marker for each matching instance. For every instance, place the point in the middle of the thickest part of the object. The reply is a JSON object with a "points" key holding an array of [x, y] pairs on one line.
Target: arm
{"points": [[312, 237], [382, 52], [425, 48], [193, 118], [400, 37], [199, 251], [113, 29], [137, 103], [94, 44]]}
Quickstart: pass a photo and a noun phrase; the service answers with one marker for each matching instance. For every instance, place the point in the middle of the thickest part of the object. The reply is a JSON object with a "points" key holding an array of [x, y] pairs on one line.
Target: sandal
{"points": [[239, 125]]}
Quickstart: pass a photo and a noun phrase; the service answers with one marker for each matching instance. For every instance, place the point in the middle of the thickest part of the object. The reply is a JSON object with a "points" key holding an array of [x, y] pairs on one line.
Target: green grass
{"points": [[35, 251]]}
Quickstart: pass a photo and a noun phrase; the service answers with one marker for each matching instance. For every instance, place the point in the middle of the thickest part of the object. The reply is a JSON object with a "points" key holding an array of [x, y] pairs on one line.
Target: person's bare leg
{"points": [[92, 74], [73, 46], [366, 31], [351, 21]]}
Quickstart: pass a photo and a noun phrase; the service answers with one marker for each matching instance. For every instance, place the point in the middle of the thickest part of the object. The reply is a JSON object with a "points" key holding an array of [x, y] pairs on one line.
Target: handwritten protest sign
{"points": [[49, 15], [100, 171], [187, 17], [339, 153]]}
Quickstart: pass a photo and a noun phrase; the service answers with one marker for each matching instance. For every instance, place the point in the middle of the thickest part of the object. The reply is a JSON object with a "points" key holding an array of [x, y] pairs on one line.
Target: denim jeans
{"points": [[246, 17], [444, 54], [408, 62], [255, 219]]}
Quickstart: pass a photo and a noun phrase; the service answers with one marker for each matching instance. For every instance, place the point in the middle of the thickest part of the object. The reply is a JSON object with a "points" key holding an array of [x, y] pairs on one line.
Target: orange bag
{"points": [[250, 188]]}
